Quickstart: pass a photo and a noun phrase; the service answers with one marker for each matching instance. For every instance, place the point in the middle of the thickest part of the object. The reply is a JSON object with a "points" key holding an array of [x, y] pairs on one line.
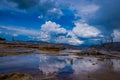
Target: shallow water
{"points": [[68, 51], [62, 67]]}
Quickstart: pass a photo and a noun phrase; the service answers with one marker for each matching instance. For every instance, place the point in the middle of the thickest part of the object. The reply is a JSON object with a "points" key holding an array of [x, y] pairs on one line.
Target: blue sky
{"points": [[72, 22]]}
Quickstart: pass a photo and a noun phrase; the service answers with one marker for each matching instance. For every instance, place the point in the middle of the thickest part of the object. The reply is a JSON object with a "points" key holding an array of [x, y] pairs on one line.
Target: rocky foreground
{"points": [[18, 48], [14, 49], [15, 76]]}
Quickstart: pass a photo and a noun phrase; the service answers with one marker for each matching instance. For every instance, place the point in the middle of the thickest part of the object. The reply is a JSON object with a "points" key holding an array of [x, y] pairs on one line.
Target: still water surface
{"points": [[64, 67]]}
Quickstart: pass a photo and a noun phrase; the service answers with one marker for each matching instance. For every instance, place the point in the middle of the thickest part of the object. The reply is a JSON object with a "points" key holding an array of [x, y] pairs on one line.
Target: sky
{"points": [[73, 22]]}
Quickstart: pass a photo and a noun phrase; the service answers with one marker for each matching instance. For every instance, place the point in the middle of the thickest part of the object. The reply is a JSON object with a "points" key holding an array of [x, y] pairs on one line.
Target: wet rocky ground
{"points": [[23, 63]]}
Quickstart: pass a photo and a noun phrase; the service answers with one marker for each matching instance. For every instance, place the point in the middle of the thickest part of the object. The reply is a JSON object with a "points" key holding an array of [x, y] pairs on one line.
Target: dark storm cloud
{"points": [[108, 14], [39, 4], [45, 8], [24, 4]]}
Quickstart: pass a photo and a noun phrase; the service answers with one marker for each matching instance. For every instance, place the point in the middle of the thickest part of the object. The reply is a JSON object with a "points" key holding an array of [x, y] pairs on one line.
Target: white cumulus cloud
{"points": [[116, 34], [69, 40], [50, 28], [50, 32], [56, 11], [53, 27], [86, 31]]}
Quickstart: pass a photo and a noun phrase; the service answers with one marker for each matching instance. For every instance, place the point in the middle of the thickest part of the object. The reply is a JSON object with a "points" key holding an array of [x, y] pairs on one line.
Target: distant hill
{"points": [[40, 44]]}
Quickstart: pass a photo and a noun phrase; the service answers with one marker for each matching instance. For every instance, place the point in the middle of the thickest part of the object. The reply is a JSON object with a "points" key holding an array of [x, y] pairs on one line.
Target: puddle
{"points": [[73, 51], [68, 67]]}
